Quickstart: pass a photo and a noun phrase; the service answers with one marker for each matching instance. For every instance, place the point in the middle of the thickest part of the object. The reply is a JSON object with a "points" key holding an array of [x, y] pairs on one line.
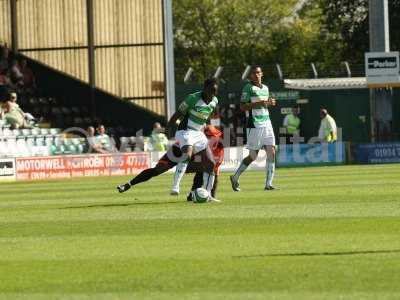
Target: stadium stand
{"points": [[40, 132], [38, 142]]}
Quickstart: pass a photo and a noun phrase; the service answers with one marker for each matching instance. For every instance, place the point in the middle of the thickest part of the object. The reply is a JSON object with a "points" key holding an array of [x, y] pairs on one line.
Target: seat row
{"points": [[7, 132], [41, 146]]}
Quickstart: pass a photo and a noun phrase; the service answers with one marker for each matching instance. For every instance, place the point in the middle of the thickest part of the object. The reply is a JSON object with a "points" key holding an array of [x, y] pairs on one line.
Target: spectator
{"points": [[328, 130], [14, 116], [13, 99], [29, 118], [291, 124], [92, 143], [158, 139], [232, 119], [103, 139]]}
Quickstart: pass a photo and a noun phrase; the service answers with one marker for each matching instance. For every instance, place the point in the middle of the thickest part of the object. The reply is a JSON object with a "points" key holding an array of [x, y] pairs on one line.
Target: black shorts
{"points": [[174, 155]]}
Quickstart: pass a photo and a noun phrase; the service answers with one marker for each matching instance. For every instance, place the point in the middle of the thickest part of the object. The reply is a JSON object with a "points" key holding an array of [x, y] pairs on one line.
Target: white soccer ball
{"points": [[200, 195]]}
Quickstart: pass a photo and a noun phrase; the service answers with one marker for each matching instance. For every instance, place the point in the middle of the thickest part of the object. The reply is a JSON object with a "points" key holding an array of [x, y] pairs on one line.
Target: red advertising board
{"points": [[34, 168]]}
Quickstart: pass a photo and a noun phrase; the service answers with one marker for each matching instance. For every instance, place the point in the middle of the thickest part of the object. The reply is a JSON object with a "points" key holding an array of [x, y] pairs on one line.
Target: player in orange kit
{"points": [[195, 165]]}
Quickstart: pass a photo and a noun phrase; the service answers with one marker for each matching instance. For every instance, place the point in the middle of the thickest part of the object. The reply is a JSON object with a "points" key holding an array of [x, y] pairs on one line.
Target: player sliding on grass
{"points": [[192, 115], [174, 154], [260, 134]]}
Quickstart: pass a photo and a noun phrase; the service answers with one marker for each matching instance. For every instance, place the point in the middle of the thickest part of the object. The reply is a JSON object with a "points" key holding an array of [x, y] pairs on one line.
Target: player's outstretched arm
{"points": [[172, 122]]}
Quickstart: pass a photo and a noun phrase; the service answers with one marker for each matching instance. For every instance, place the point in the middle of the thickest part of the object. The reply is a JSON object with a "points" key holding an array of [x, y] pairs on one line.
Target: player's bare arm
{"points": [[258, 104], [177, 116], [271, 101]]}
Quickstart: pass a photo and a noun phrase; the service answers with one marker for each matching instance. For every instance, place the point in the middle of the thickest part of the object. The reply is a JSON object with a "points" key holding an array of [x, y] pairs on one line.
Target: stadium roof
{"points": [[327, 83]]}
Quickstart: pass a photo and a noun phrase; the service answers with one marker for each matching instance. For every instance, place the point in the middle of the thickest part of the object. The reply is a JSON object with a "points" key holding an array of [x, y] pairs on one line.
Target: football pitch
{"points": [[328, 233]]}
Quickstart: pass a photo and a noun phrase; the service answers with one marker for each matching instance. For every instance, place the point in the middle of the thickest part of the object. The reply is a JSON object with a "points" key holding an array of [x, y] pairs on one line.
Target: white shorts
{"points": [[196, 139], [257, 138]]}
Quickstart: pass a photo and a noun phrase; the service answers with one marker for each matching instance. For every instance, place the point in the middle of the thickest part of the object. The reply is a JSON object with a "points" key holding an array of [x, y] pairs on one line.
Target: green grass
{"points": [[329, 233]]}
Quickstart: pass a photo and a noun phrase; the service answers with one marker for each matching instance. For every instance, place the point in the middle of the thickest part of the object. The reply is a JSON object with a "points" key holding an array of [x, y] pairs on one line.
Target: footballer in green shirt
{"points": [[260, 134], [192, 115]]}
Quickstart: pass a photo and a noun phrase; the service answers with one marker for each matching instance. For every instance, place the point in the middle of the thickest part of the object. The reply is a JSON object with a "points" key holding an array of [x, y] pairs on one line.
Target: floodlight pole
{"points": [[91, 56], [169, 66], [379, 26], [378, 42], [14, 26]]}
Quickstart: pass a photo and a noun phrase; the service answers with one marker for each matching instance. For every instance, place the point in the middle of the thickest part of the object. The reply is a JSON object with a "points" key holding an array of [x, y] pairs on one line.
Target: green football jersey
{"points": [[196, 111], [256, 117]]}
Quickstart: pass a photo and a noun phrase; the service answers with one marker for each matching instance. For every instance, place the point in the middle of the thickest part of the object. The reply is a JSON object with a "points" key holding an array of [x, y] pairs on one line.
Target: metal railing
{"points": [[276, 71]]}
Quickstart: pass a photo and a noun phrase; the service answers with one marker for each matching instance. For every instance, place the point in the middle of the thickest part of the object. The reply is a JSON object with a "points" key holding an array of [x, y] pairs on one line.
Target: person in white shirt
{"points": [[327, 131], [104, 139], [92, 143], [28, 116]]}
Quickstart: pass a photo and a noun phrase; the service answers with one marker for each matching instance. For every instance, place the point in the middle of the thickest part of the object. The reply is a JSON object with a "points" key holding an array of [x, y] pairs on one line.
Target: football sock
{"points": [[208, 181], [144, 176], [240, 170], [179, 172], [197, 181], [214, 189], [270, 170]]}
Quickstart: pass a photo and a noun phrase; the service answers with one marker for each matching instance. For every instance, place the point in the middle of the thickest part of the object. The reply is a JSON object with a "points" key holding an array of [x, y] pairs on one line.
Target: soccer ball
{"points": [[200, 195]]}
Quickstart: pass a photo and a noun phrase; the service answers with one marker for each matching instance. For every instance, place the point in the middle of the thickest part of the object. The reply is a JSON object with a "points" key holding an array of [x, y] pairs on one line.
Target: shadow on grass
{"points": [[122, 204], [320, 253]]}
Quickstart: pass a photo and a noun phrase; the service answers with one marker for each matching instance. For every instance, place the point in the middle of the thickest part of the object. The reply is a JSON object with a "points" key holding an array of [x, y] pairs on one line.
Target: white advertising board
{"points": [[7, 169], [382, 69]]}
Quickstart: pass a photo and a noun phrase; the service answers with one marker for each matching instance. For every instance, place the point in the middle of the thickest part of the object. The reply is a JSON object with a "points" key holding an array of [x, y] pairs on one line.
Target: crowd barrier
{"points": [[377, 153], [287, 156], [52, 167], [311, 154]]}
